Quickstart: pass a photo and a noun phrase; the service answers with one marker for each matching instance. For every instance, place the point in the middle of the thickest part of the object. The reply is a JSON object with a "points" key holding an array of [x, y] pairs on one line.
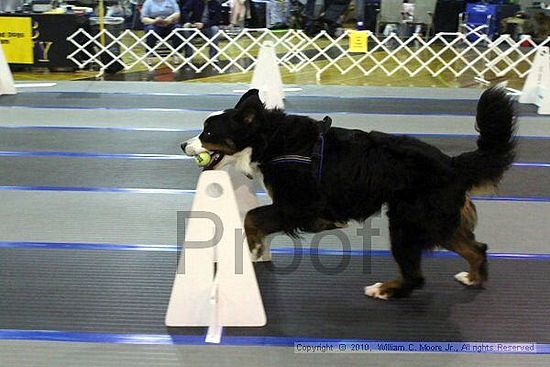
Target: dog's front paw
{"points": [[464, 278], [376, 291], [394, 288]]}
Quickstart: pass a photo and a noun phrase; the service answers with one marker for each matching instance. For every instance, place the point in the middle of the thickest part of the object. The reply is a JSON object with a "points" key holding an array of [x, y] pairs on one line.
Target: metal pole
{"points": [[101, 11]]}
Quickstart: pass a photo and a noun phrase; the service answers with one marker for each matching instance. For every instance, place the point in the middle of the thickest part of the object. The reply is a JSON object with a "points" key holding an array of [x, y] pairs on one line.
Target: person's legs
{"points": [[210, 32], [277, 13], [309, 12], [151, 39], [175, 39], [360, 14], [187, 48], [136, 21], [310, 26], [238, 11], [162, 32], [334, 10]]}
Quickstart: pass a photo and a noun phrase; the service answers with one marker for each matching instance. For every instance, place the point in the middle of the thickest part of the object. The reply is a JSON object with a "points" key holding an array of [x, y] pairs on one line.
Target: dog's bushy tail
{"points": [[496, 124]]}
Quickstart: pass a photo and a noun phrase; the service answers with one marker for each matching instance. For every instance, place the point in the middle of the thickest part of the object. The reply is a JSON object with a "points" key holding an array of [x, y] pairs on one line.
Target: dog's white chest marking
{"points": [[215, 113], [242, 161]]}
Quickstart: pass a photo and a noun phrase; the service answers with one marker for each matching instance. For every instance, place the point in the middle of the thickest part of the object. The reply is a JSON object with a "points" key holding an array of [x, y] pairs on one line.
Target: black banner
{"points": [[50, 32], [49, 35]]}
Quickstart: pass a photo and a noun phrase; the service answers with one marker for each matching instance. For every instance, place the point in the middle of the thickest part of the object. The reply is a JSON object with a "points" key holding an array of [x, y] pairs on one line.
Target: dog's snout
{"points": [[192, 146]]}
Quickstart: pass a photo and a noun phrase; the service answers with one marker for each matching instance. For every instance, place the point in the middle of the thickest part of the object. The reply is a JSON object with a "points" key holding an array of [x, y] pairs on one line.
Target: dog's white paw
{"points": [[256, 252], [266, 256], [375, 291], [260, 253], [464, 278]]}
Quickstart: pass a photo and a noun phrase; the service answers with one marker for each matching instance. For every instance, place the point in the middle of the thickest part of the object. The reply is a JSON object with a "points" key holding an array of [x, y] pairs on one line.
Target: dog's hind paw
{"points": [[464, 278], [264, 257], [375, 291], [256, 252], [260, 253]]}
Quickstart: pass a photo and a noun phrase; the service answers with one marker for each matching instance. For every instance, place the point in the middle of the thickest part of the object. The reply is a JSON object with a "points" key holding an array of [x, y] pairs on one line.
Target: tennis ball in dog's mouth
{"points": [[203, 159]]}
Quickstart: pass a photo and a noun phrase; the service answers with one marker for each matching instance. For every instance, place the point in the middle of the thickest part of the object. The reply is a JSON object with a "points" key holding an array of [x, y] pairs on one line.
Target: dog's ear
{"points": [[251, 110], [250, 93]]}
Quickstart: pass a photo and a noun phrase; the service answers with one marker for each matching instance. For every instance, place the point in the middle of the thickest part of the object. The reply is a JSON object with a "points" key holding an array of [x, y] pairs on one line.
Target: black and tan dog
{"points": [[320, 177]]}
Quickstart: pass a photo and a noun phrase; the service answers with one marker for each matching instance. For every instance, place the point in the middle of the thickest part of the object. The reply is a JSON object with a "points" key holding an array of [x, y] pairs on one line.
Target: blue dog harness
{"points": [[317, 154]]}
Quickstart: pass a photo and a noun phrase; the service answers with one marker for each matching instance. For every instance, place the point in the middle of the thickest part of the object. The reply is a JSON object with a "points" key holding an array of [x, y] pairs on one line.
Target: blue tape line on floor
{"points": [[61, 127], [314, 96], [300, 345], [512, 198], [196, 130], [127, 190], [274, 250], [236, 95], [131, 190], [152, 156], [86, 246], [144, 156], [531, 164], [465, 136], [68, 336], [145, 109]]}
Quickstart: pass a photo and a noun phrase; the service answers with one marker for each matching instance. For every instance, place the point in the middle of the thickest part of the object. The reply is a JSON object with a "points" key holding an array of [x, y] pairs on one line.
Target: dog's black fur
{"points": [[425, 190]]}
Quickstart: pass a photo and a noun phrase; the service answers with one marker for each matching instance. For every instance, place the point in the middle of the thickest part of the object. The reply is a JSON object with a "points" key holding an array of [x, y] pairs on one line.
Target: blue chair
{"points": [[480, 19]]}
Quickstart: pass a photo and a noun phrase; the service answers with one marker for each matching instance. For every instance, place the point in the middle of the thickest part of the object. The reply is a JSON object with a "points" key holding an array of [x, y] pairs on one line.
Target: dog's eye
{"points": [[208, 133]]}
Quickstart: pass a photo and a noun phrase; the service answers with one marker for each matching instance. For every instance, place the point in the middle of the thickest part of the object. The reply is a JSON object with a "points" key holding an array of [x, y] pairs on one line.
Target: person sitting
{"points": [[160, 17], [204, 15]]}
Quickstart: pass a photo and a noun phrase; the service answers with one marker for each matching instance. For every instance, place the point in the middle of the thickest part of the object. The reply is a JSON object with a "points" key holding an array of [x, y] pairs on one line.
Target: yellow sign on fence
{"points": [[358, 41], [16, 39]]}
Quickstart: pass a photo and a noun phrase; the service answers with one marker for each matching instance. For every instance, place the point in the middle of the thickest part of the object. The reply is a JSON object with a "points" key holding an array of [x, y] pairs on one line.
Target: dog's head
{"points": [[228, 135]]}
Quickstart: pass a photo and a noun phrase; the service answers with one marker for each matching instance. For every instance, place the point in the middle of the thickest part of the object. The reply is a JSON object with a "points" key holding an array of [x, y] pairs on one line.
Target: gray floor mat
{"points": [[168, 142], [180, 174], [304, 104], [128, 291]]}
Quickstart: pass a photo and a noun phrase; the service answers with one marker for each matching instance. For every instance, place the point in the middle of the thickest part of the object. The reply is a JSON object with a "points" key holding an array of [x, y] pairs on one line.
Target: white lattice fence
{"points": [[454, 53]]}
